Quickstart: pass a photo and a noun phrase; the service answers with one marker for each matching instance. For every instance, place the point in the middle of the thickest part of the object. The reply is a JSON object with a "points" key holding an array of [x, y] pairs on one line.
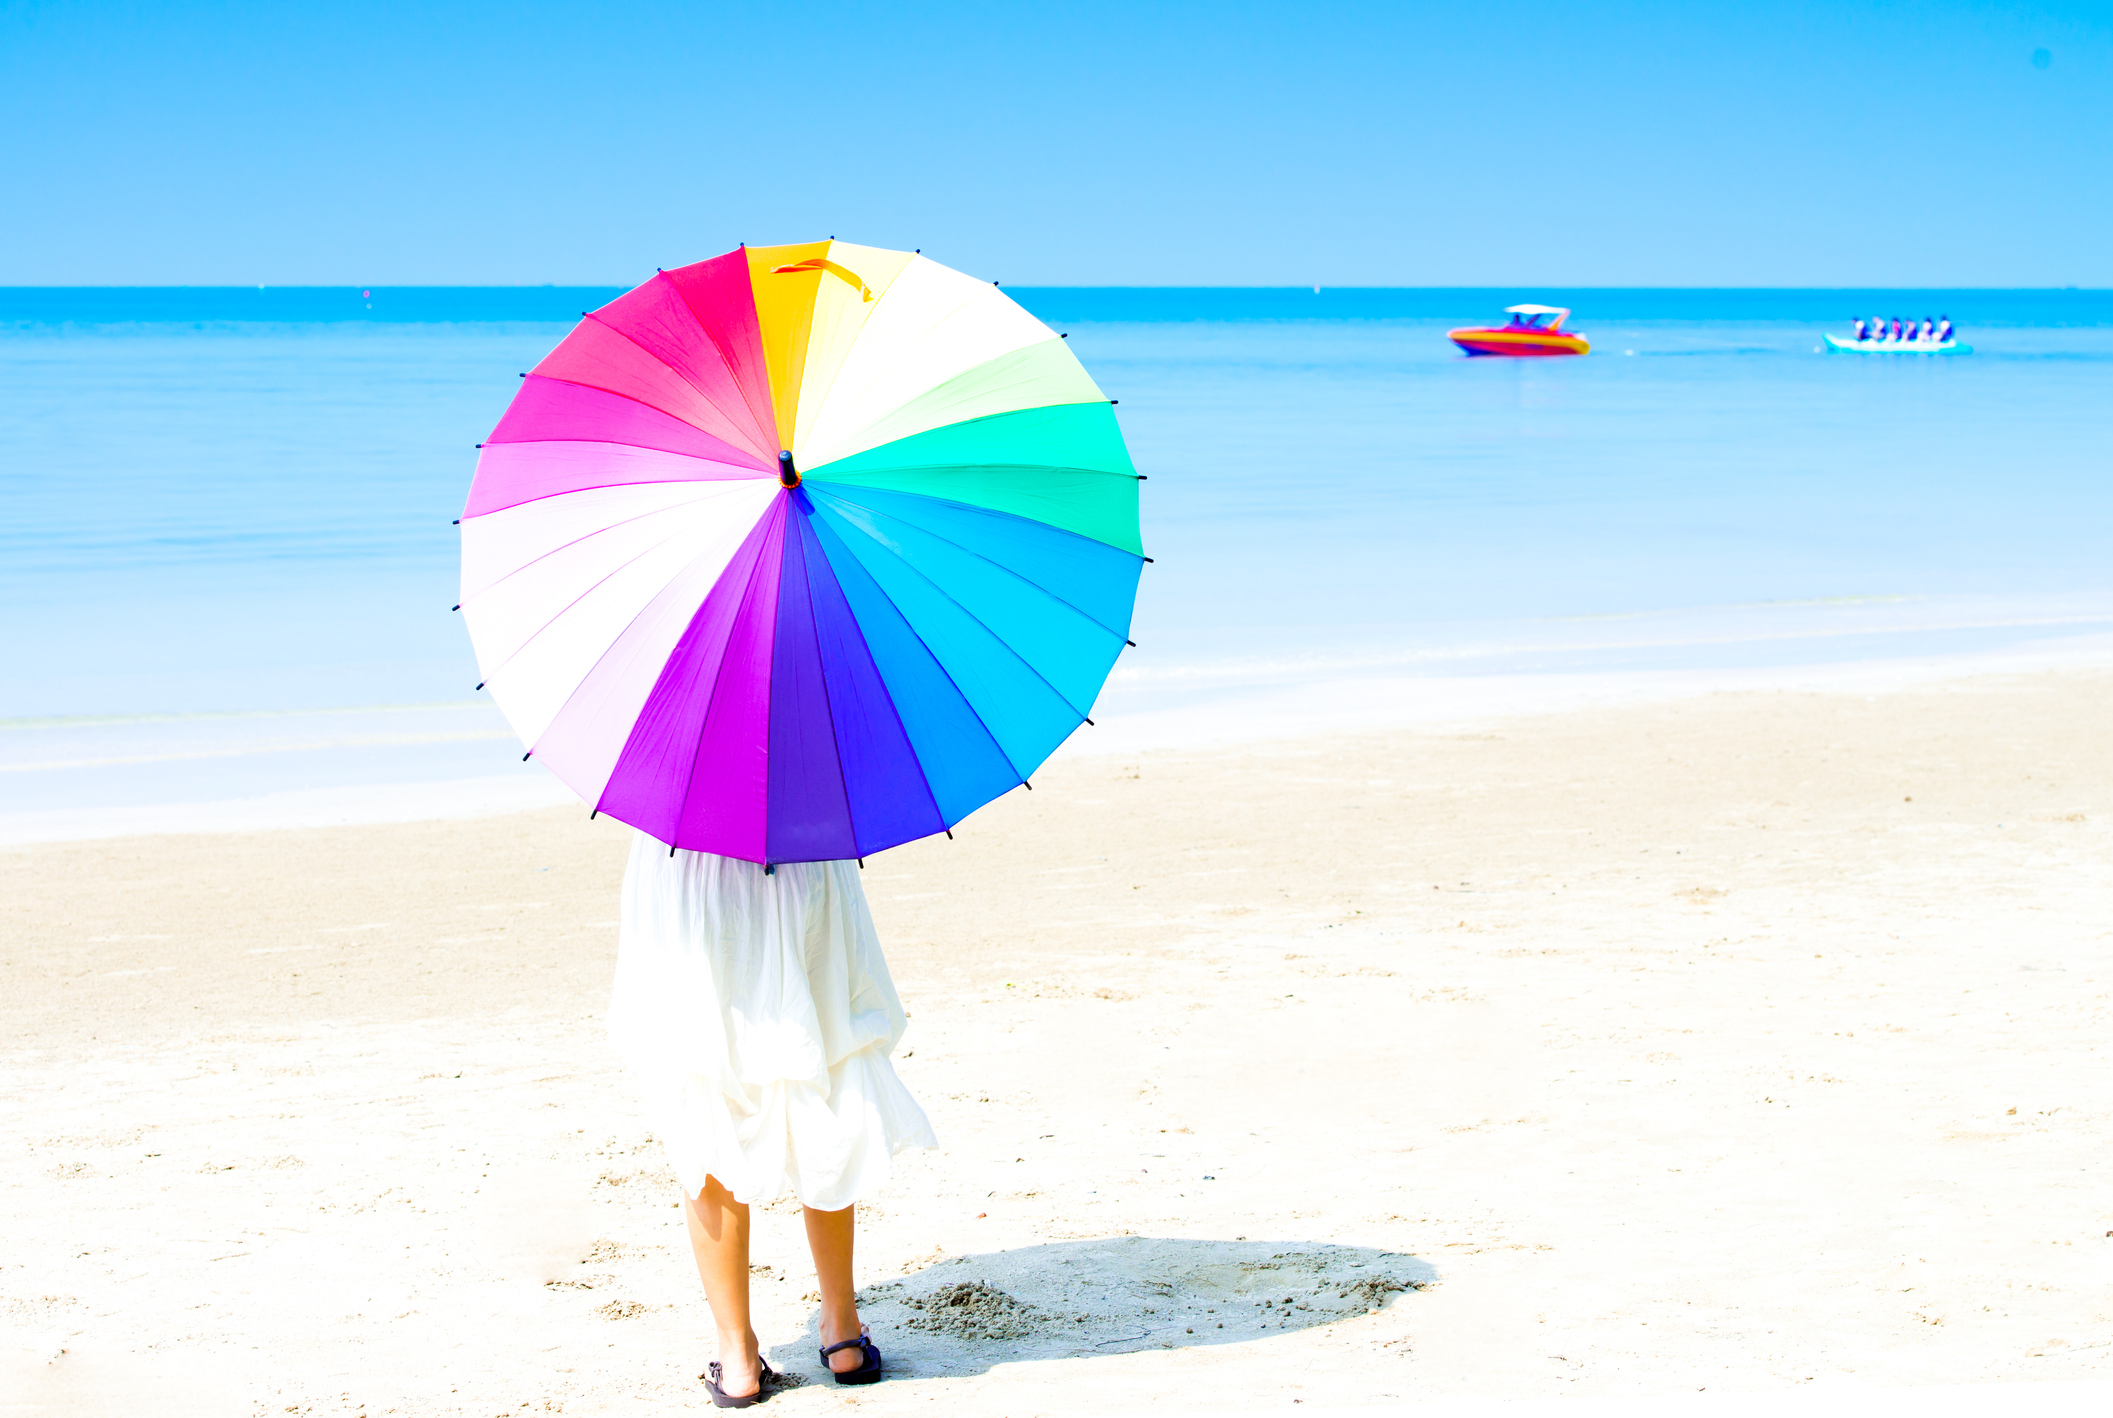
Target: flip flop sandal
{"points": [[722, 1399], [866, 1373]]}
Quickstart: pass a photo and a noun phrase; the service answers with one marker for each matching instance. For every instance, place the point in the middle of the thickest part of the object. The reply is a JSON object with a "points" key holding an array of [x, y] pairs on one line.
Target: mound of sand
{"points": [[969, 1309]]}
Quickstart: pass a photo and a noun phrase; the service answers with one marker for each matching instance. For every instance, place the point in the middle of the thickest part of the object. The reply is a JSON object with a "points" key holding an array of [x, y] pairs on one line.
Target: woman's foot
{"points": [[836, 1331], [740, 1366]]}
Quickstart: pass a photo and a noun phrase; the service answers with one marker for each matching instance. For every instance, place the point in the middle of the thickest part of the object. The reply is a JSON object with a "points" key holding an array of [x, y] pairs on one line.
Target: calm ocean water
{"points": [[228, 561]]}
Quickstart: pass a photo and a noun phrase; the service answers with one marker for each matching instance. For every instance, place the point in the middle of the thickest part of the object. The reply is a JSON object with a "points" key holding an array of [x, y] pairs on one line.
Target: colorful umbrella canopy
{"points": [[801, 552]]}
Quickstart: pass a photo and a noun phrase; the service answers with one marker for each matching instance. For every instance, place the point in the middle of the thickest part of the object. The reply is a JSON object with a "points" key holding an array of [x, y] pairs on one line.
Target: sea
{"points": [[227, 558]]}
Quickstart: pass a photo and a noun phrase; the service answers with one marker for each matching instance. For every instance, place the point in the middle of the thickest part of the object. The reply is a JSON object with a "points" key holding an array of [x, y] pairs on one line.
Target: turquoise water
{"points": [[236, 501]]}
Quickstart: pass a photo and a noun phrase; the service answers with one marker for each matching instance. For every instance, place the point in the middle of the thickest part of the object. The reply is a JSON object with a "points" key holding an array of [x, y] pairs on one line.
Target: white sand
{"points": [[1743, 1044]]}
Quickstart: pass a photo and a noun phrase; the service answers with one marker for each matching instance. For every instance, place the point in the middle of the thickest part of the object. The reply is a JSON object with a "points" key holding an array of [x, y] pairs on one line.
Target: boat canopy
{"points": [[1531, 315]]}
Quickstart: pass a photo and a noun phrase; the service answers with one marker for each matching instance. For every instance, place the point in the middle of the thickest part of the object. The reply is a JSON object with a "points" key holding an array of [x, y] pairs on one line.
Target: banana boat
{"points": [[1924, 347]]}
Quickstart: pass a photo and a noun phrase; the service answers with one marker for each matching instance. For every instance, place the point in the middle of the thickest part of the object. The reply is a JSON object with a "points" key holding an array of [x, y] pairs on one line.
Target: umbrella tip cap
{"points": [[787, 473]]}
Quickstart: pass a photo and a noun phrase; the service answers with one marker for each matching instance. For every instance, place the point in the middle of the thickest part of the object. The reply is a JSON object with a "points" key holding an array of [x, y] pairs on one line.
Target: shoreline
{"points": [[1242, 707], [1750, 1042]]}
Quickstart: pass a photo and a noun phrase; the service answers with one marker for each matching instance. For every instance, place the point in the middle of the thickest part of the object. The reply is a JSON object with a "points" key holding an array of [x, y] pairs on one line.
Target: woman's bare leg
{"points": [[719, 1239], [829, 1236]]}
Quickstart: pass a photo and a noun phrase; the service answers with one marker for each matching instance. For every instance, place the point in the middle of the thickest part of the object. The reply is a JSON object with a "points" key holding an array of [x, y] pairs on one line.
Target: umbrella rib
{"points": [[822, 395], [617, 638], [716, 405], [691, 383], [759, 467], [644, 404], [618, 442], [821, 664], [965, 551], [829, 708], [902, 355], [947, 468], [952, 683], [757, 471], [1062, 698], [559, 614], [758, 417], [821, 475], [584, 536], [689, 779], [765, 417], [597, 487], [960, 374]]}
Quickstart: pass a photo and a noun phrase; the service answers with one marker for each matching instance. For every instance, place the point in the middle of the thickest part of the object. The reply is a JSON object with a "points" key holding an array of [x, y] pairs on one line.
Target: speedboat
{"points": [[1929, 347], [1532, 330]]}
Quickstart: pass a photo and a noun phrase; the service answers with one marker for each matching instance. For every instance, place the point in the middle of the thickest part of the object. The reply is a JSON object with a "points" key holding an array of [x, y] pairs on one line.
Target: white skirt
{"points": [[758, 1015]]}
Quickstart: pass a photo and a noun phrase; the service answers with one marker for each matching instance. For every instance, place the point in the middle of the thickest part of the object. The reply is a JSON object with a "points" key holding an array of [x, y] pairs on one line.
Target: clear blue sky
{"points": [[1465, 143]]}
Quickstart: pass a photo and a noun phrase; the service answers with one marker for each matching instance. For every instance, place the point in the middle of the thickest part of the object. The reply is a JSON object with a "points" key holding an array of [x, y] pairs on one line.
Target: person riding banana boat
{"points": [[1882, 335]]}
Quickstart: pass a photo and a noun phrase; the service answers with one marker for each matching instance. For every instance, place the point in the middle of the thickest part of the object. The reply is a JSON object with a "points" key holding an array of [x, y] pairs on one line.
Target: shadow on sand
{"points": [[1114, 1296]]}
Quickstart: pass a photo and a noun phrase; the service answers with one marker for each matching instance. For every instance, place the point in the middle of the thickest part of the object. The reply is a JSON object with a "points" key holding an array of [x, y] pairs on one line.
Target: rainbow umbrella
{"points": [[801, 552]]}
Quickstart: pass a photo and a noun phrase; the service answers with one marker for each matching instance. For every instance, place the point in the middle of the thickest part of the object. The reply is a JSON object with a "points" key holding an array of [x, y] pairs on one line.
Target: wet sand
{"points": [[1750, 1042]]}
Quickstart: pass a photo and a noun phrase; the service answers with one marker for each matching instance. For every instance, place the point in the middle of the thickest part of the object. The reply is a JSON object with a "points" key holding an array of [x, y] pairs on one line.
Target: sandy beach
{"points": [[1749, 1042]]}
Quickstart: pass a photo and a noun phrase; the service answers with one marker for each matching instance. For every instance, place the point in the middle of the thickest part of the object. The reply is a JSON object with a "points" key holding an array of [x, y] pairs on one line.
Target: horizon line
{"points": [[1303, 286]]}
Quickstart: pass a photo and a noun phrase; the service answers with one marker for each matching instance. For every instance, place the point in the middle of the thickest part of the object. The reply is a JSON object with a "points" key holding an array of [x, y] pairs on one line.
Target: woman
{"points": [[756, 1010]]}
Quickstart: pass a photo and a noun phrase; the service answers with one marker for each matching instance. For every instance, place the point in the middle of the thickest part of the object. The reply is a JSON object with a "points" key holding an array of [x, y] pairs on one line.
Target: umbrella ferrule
{"points": [[787, 473]]}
